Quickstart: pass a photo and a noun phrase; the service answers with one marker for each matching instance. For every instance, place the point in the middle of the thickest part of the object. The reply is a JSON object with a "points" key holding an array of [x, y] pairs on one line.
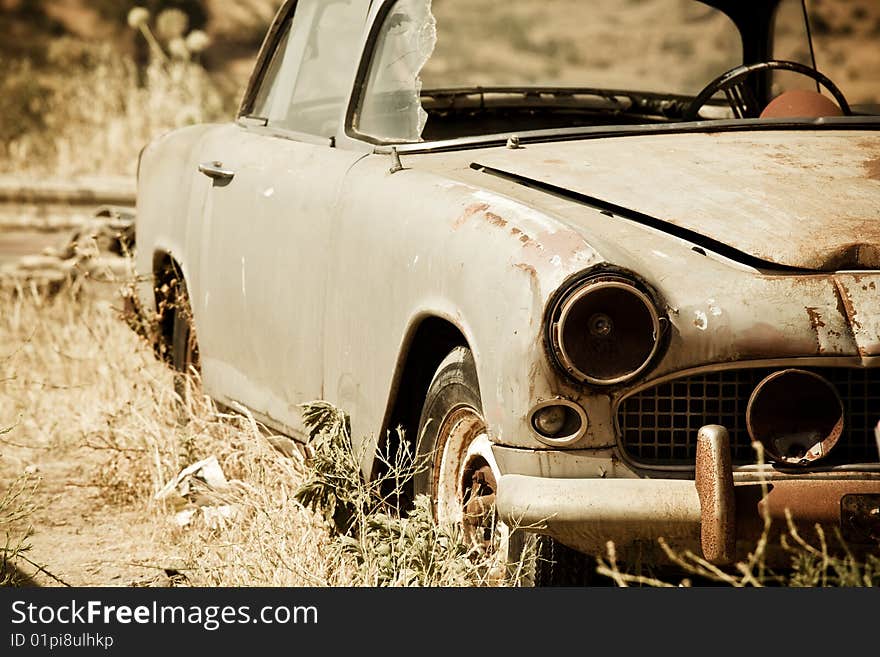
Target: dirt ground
{"points": [[58, 395], [73, 412], [92, 428], [82, 540]]}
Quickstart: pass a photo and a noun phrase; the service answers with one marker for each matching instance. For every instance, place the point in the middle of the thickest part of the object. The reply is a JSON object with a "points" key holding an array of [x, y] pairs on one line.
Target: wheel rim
{"points": [[465, 480]]}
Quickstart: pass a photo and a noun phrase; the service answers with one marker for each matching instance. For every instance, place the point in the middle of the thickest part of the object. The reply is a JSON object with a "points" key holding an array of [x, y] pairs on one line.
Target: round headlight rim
{"points": [[565, 302]]}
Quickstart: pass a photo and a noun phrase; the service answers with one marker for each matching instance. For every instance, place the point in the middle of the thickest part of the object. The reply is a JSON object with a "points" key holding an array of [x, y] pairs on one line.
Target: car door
{"points": [[266, 226]]}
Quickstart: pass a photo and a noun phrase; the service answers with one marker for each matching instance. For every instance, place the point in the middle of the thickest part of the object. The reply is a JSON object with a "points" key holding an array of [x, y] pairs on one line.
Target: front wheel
{"points": [[462, 481]]}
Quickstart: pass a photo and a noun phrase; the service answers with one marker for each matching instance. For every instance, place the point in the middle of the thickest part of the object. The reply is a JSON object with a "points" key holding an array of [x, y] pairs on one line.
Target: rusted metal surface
{"points": [[313, 267], [479, 505], [714, 481], [808, 500], [589, 511], [764, 194], [860, 301], [728, 313], [583, 513], [463, 226], [796, 415], [450, 480]]}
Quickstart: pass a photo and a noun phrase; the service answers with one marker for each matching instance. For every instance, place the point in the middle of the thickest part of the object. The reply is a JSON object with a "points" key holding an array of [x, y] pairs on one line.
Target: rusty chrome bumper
{"points": [[709, 514]]}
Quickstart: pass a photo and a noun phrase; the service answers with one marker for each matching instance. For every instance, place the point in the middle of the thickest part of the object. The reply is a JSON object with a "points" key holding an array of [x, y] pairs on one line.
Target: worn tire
{"points": [[184, 345], [462, 471], [453, 386], [531, 559]]}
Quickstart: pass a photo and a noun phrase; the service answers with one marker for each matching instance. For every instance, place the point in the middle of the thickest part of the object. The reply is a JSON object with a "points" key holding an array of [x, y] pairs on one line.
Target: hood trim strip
{"points": [[612, 210]]}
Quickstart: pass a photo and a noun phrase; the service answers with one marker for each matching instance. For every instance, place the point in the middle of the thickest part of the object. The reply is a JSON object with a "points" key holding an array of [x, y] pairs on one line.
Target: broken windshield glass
{"points": [[391, 108]]}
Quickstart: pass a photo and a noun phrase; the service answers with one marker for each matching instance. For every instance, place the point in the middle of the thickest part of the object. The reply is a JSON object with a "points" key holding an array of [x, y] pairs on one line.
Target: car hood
{"points": [[804, 199]]}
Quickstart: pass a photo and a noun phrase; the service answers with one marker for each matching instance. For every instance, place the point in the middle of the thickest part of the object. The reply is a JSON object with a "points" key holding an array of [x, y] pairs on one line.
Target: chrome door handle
{"points": [[216, 171]]}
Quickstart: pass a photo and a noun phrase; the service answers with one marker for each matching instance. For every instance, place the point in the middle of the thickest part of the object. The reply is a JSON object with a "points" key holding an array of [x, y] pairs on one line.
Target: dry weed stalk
{"points": [[391, 543], [79, 384], [809, 565], [89, 109]]}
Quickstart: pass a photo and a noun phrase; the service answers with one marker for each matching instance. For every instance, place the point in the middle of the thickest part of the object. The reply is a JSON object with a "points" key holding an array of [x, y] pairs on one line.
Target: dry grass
{"points": [[78, 380], [78, 383], [819, 563], [16, 508], [88, 109], [74, 376], [811, 562]]}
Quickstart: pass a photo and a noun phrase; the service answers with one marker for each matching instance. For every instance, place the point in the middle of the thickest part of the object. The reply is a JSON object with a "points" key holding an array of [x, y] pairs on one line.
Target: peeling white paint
{"points": [[269, 192], [556, 261], [714, 310], [584, 255], [508, 208], [700, 320], [243, 291]]}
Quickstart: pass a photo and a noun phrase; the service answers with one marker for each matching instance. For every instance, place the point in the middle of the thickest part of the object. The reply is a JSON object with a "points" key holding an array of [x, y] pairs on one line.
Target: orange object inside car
{"points": [[800, 103]]}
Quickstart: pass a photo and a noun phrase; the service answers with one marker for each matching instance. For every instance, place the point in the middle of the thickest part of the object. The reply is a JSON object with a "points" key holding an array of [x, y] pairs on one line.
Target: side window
{"points": [[312, 70]]}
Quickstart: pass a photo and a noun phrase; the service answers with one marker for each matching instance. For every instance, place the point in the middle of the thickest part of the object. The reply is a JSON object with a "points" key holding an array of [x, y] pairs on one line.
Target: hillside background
{"points": [[80, 92]]}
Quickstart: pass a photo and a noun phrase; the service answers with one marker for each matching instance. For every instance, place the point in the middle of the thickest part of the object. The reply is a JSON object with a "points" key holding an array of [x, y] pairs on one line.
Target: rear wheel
{"points": [[463, 479], [184, 346]]}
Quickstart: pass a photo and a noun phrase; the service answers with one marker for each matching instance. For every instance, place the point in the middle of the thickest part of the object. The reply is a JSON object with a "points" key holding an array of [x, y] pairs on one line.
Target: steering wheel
{"points": [[740, 97]]}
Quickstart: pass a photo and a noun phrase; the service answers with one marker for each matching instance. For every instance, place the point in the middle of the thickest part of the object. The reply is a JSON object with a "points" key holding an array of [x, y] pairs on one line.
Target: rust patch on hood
{"points": [[857, 294], [765, 340], [872, 168], [828, 338], [495, 220], [469, 212], [861, 255], [528, 269], [525, 239], [794, 199], [816, 323]]}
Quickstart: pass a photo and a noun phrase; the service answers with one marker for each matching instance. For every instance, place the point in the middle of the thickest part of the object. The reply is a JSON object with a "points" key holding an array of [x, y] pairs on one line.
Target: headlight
{"points": [[605, 330]]}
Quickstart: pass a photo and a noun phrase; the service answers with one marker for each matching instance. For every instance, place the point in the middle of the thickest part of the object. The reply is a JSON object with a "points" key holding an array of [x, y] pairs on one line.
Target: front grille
{"points": [[659, 424]]}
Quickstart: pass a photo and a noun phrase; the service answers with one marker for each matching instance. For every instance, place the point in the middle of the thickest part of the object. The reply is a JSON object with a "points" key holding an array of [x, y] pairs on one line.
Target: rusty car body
{"points": [[593, 301]]}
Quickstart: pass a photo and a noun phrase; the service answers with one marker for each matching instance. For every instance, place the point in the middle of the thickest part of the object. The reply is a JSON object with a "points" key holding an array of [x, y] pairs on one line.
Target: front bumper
{"points": [[712, 515]]}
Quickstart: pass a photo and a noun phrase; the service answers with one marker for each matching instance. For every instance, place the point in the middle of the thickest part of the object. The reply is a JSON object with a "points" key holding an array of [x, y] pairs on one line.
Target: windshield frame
{"points": [[595, 132], [752, 18]]}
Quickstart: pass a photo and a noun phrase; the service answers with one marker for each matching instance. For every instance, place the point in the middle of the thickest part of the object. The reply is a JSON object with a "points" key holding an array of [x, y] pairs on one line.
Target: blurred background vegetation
{"points": [[82, 88]]}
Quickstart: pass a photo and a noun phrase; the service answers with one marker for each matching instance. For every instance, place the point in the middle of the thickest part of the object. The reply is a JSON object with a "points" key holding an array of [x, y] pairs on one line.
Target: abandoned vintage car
{"points": [[587, 283]]}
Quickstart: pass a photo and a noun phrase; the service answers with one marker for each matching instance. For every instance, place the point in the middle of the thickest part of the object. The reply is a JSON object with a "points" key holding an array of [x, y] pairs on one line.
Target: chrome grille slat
{"points": [[658, 425]]}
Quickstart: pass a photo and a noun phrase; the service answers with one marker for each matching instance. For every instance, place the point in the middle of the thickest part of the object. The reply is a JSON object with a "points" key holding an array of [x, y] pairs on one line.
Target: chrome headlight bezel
{"points": [[564, 310]]}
